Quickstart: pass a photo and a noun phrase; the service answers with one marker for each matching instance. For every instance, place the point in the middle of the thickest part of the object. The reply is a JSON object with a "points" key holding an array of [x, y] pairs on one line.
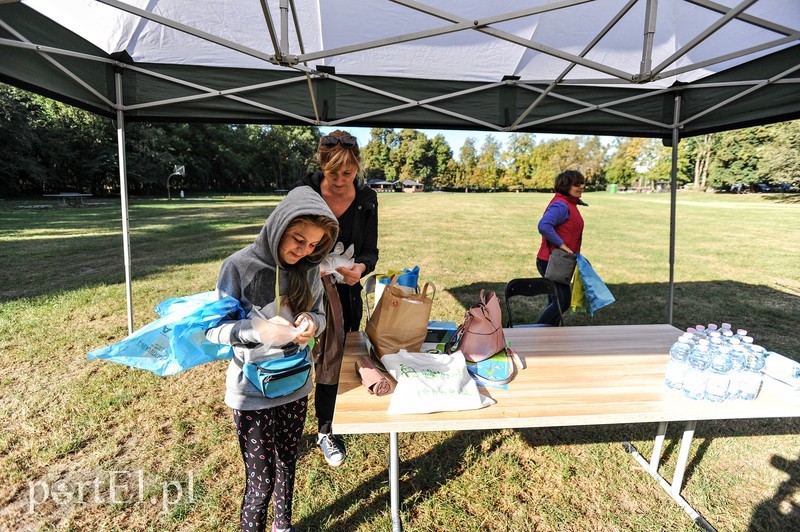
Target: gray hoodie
{"points": [[249, 276]]}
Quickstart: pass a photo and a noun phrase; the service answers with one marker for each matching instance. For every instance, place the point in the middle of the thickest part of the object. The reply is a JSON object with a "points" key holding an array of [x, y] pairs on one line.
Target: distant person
{"points": [[340, 182], [277, 275], [561, 227]]}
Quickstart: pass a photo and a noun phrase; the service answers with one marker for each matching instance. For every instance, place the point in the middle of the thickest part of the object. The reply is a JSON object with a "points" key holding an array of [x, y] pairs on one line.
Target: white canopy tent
{"points": [[654, 68]]}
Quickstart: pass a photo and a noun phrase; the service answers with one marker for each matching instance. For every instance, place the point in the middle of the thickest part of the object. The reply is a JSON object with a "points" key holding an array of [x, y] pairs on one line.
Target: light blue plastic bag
{"points": [[595, 290], [176, 341]]}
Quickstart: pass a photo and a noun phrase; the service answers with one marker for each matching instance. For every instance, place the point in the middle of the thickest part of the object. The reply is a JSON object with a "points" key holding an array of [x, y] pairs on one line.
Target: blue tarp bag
{"points": [[595, 290], [176, 341]]}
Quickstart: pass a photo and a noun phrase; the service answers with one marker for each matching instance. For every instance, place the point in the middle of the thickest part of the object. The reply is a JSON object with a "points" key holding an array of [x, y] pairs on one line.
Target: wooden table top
{"points": [[575, 376]]}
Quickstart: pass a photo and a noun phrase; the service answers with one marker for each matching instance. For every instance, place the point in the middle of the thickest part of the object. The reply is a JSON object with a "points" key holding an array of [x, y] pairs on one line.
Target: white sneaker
{"points": [[332, 448]]}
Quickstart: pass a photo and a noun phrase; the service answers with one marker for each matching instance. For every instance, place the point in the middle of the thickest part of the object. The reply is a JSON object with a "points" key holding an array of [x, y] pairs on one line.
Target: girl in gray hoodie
{"points": [[276, 275]]}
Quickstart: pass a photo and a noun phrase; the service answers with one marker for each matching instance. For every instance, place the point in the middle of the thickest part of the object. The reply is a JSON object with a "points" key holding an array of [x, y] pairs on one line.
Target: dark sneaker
{"points": [[332, 448]]}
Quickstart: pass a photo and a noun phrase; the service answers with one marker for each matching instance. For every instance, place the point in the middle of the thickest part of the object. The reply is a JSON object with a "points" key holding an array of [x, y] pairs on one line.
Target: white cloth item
{"points": [[432, 383], [338, 258]]}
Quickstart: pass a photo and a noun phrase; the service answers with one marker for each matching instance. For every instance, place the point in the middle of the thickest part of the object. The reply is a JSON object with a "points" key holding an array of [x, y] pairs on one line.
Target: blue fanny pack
{"points": [[280, 375]]}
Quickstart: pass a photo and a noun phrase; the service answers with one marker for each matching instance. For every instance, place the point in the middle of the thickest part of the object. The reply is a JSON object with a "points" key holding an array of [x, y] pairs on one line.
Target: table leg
{"points": [[674, 489], [394, 482]]}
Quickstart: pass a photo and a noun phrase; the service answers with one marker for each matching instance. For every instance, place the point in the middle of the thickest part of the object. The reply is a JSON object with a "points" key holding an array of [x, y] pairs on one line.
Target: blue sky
{"points": [[455, 138]]}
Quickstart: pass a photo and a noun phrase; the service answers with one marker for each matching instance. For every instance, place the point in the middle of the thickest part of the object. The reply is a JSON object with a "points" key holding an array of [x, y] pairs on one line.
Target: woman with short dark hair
{"points": [[561, 227]]}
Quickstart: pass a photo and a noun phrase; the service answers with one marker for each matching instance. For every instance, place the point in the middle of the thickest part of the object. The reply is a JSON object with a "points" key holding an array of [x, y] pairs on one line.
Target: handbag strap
{"points": [[513, 360]]}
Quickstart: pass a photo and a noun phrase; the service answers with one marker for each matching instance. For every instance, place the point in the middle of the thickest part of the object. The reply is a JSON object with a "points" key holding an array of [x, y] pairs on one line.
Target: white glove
{"points": [[338, 258], [277, 331]]}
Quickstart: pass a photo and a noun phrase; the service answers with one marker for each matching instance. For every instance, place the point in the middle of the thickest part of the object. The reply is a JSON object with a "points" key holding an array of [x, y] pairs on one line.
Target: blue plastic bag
{"points": [[409, 278], [595, 290], [176, 341]]}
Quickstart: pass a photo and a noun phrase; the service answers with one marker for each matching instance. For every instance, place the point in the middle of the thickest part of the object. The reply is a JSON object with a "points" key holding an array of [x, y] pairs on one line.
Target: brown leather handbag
{"points": [[329, 348]]}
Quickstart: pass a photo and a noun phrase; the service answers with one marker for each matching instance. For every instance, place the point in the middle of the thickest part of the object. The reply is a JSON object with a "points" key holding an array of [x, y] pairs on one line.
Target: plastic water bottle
{"points": [[711, 327], [694, 383], [700, 333], [751, 376], [727, 336], [719, 377], [738, 365], [677, 365], [740, 333], [725, 327]]}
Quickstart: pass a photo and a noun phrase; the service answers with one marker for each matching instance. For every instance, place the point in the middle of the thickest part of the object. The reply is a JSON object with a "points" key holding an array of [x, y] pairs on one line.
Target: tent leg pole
{"points": [[123, 194], [394, 482], [673, 200]]}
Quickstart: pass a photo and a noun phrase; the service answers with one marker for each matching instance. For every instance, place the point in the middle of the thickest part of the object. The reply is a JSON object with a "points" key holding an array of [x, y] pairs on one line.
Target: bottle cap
{"points": [[741, 332], [747, 339], [712, 327], [700, 327], [725, 325]]}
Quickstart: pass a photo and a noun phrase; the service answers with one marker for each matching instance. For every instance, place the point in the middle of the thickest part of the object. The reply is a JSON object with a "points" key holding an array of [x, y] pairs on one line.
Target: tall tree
{"points": [[519, 169], [489, 167], [21, 168], [701, 149], [467, 161], [621, 168], [376, 155], [737, 155], [780, 157]]}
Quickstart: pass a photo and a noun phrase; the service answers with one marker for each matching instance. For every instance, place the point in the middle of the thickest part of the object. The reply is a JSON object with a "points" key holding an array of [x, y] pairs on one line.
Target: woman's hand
{"points": [[304, 337], [353, 274], [566, 248]]}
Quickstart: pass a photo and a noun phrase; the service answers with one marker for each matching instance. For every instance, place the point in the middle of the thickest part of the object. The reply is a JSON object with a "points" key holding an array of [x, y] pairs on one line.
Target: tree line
{"points": [[48, 146]]}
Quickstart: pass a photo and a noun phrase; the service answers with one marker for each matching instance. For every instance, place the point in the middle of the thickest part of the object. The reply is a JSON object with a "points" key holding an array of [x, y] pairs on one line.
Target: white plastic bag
{"points": [[277, 331], [432, 383], [337, 258]]}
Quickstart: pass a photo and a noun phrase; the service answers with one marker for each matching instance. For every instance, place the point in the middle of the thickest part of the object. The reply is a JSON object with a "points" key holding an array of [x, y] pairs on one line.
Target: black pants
{"points": [[324, 403], [268, 440], [555, 308]]}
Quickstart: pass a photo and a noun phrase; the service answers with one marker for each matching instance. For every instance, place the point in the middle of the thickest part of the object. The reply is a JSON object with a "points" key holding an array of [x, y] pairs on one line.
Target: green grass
{"points": [[66, 422]]}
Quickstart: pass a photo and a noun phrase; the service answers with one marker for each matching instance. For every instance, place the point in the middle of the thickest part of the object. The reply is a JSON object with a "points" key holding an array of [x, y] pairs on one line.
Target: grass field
{"points": [[98, 446]]}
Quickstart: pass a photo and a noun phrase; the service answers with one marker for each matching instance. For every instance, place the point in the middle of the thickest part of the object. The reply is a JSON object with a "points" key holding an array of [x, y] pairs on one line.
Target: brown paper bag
{"points": [[400, 320]]}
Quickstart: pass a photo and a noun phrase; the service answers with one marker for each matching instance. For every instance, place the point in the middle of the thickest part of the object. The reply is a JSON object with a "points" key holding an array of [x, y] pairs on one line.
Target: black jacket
{"points": [[363, 234]]}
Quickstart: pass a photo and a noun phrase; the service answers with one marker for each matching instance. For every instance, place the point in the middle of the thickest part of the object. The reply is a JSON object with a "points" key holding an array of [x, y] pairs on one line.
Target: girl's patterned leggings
{"points": [[268, 440]]}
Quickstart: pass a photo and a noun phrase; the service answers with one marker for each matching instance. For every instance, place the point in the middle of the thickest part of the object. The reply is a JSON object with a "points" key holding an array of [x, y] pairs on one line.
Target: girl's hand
{"points": [[304, 337], [353, 274]]}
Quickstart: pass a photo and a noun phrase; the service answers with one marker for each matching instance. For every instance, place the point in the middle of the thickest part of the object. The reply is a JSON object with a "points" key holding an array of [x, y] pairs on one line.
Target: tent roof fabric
{"points": [[610, 67]]}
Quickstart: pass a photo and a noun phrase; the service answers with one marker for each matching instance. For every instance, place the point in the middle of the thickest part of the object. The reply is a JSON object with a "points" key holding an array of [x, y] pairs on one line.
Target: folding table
{"points": [[592, 375]]}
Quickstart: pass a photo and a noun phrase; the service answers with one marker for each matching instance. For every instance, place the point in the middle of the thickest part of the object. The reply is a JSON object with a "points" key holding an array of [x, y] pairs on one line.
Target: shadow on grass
{"points": [[781, 511], [424, 476], [420, 478], [71, 249]]}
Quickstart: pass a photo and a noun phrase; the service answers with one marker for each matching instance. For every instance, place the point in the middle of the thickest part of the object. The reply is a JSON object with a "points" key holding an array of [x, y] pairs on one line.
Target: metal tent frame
{"points": [[286, 72]]}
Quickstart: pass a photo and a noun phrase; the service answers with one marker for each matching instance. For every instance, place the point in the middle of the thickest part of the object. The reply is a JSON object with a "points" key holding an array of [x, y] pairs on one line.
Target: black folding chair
{"points": [[534, 287]]}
